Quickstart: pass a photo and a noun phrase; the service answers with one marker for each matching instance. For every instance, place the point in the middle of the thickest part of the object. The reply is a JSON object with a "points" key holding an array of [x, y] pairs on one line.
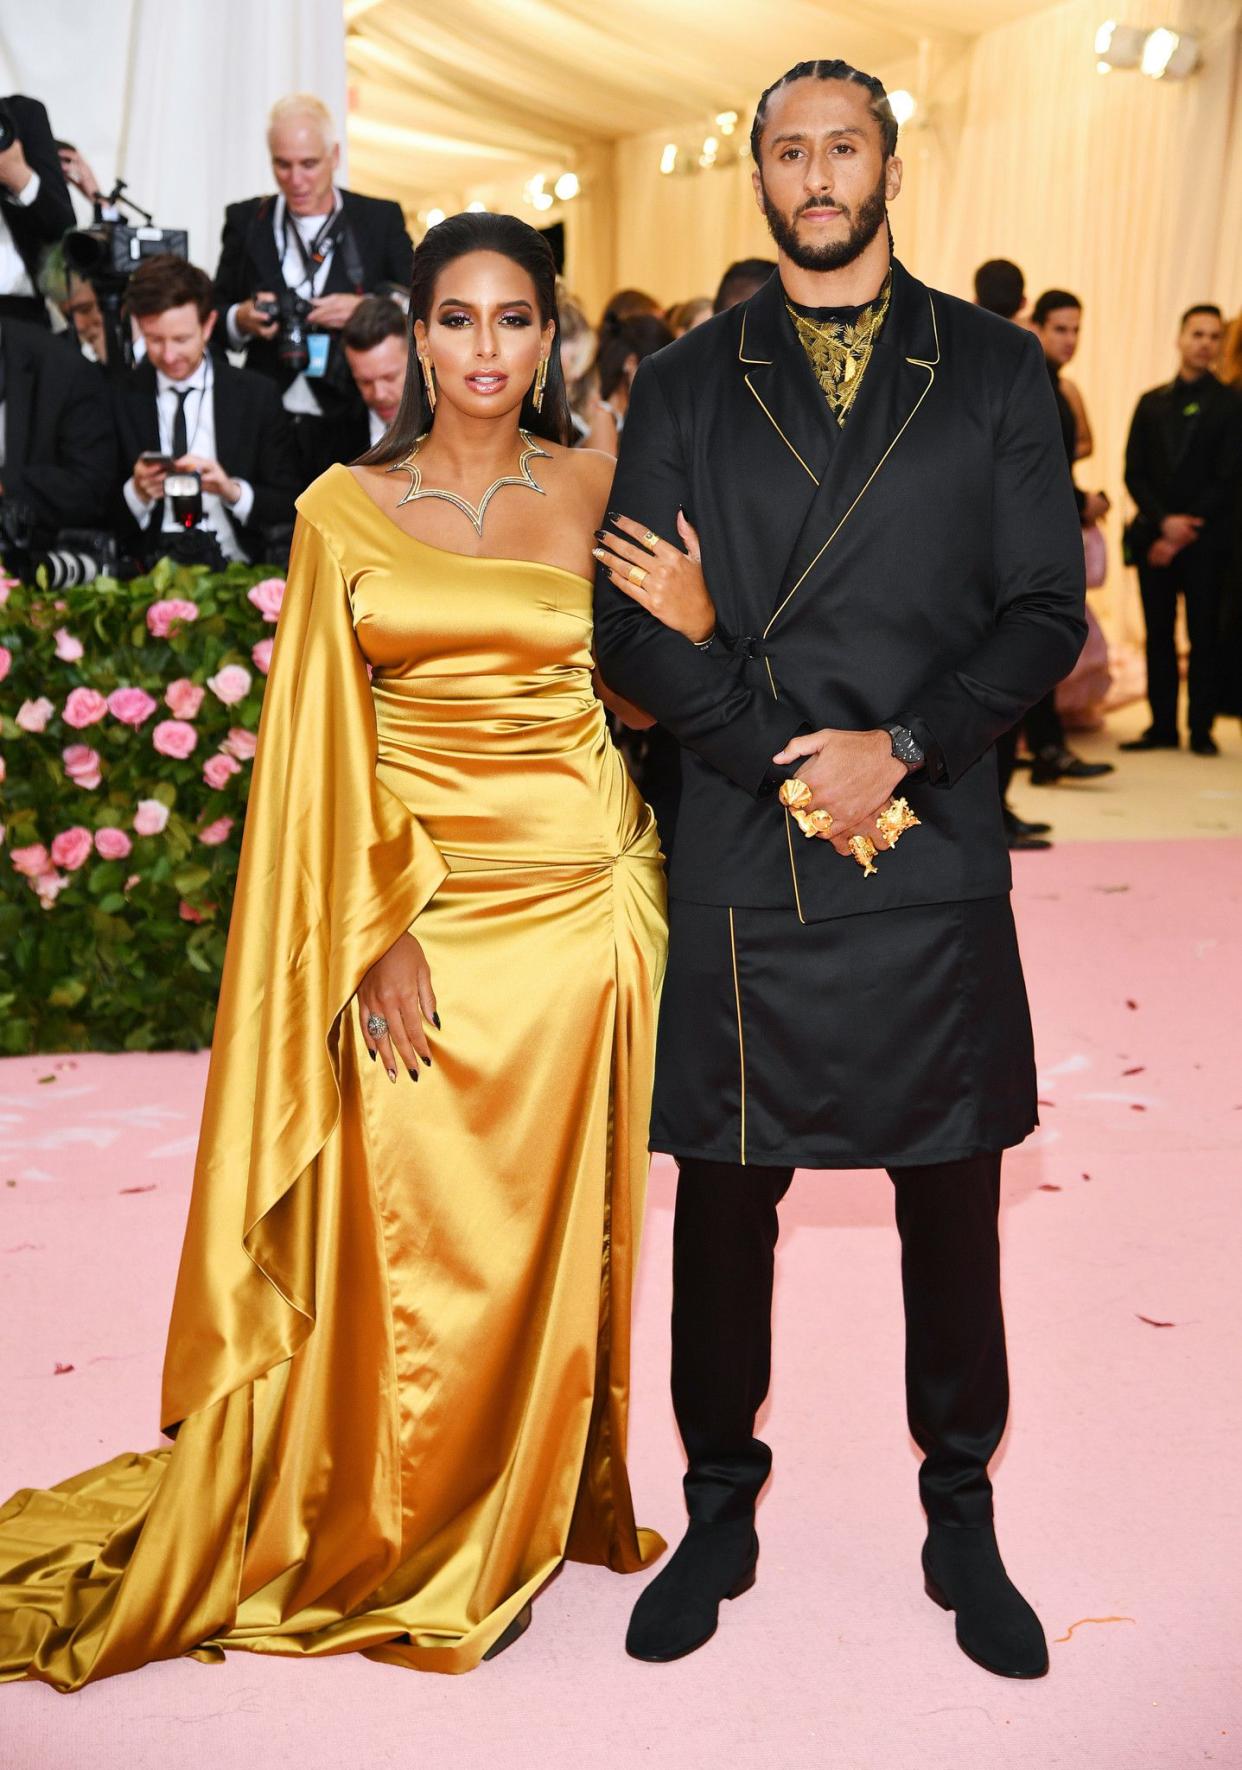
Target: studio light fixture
{"points": [[567, 187], [434, 217], [903, 105], [1168, 55]]}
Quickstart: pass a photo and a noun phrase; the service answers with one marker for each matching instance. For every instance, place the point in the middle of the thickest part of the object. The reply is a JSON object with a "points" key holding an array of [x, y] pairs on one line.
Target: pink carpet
{"points": [[1119, 1495]]}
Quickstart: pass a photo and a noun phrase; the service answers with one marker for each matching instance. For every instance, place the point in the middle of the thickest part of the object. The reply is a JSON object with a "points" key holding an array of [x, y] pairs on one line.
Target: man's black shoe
{"points": [[677, 1612], [996, 1627], [1019, 844], [1205, 745], [1021, 826], [1152, 740], [1056, 764]]}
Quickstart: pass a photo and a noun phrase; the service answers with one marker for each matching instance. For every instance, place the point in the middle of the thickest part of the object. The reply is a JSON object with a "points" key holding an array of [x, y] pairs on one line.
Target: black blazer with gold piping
{"points": [[924, 565]]}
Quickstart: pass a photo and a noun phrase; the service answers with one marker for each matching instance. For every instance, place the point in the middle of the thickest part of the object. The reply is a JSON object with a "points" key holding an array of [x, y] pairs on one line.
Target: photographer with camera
{"points": [[57, 441], [184, 410], [293, 268], [35, 207]]}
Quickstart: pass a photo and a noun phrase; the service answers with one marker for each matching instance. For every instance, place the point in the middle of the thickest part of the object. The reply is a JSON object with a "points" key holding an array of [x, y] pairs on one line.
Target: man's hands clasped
{"points": [[851, 777]]}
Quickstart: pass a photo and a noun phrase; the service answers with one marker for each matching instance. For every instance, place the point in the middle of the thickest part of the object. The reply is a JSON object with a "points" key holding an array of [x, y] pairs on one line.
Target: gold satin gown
{"points": [[398, 1363]]}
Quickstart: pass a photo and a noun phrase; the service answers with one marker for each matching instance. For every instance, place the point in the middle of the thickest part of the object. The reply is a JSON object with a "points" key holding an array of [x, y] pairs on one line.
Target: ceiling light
{"points": [[711, 147], [726, 122], [567, 187], [542, 199], [903, 105], [1169, 56], [434, 217], [1118, 46], [668, 159], [476, 208]]}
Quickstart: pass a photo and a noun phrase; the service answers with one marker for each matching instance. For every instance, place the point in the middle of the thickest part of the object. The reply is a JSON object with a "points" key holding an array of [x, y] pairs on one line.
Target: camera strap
{"points": [[315, 255]]}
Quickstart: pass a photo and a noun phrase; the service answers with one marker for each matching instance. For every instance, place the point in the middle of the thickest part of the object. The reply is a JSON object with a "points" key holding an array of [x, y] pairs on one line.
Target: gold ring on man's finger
{"points": [[637, 575]]}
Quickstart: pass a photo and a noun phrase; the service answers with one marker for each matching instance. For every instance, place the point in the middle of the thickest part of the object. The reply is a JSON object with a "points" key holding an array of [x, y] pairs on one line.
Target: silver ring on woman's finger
{"points": [[377, 1026]]}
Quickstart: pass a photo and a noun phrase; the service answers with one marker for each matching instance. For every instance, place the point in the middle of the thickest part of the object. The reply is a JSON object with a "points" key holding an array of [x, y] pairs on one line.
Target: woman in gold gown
{"points": [[398, 1364]]}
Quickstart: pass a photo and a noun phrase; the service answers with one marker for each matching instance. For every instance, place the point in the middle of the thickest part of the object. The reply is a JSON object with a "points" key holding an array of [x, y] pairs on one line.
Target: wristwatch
{"points": [[906, 747]]}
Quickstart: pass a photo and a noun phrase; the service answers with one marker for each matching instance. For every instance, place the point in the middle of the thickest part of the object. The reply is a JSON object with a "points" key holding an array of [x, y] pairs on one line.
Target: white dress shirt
{"points": [[299, 396], [376, 425], [200, 430], [14, 277]]}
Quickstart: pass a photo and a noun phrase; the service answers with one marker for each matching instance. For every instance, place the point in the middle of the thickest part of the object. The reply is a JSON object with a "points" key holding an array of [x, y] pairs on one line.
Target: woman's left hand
{"points": [[671, 587]]}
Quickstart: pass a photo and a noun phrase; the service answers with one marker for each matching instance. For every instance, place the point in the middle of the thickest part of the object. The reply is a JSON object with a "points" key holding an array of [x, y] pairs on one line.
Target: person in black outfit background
{"points": [[35, 207], [844, 543], [1184, 473], [186, 405], [332, 247], [57, 443]]}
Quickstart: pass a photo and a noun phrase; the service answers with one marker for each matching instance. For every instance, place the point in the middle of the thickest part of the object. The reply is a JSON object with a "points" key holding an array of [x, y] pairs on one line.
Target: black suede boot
{"points": [[677, 1612], [996, 1627]]}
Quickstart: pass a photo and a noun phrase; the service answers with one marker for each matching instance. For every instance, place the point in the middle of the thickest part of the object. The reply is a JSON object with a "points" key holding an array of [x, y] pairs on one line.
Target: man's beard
{"points": [[833, 254]]}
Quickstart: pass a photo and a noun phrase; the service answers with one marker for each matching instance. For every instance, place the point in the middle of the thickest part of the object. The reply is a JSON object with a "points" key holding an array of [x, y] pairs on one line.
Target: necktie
{"points": [[180, 442]]}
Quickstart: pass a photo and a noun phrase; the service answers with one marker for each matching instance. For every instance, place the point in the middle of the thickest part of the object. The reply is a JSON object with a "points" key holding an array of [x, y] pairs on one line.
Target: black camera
{"points": [[66, 556], [292, 311], [106, 256]]}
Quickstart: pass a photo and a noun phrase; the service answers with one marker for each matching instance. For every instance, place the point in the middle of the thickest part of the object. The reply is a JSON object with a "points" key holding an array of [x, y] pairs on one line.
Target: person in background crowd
{"points": [[35, 208], [57, 442], [326, 246], [686, 315], [183, 407], [376, 344], [1231, 598], [623, 344], [577, 343], [628, 302], [740, 282], [1184, 473], [1000, 287], [84, 319]]}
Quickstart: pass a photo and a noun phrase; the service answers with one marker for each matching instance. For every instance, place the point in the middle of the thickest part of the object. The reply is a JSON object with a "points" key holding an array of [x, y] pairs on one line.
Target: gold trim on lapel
{"points": [[928, 363], [790, 385], [778, 430]]}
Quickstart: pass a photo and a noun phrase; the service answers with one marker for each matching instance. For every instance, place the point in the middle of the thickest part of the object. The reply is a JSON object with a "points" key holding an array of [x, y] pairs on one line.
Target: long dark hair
{"points": [[442, 246]]}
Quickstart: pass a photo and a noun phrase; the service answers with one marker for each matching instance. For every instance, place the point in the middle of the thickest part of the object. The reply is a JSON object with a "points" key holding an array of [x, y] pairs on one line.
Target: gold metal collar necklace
{"points": [[531, 451]]}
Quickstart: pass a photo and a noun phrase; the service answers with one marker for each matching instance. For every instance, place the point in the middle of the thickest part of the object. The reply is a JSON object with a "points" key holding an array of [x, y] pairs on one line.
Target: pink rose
{"points": [[162, 615], [48, 887], [30, 862], [184, 697], [34, 715], [173, 737], [230, 685], [188, 913], [240, 743], [216, 833], [3, 769], [82, 765], [150, 817], [217, 769], [131, 882], [111, 843], [7, 584], [131, 705], [6, 660], [261, 655], [85, 706], [68, 649], [267, 596], [72, 848]]}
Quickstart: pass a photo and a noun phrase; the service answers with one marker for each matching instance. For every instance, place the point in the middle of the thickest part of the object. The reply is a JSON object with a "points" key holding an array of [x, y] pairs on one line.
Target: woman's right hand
{"points": [[398, 989]]}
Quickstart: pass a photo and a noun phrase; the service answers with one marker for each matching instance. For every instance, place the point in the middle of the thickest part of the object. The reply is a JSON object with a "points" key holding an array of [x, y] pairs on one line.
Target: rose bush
{"points": [[118, 856]]}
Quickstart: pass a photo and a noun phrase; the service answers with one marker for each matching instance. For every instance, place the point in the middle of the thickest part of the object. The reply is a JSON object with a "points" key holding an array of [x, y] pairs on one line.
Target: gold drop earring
{"points": [[541, 381], [429, 379]]}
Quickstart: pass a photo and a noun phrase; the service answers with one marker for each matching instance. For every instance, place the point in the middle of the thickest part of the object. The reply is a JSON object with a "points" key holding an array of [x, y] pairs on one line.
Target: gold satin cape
{"points": [[398, 1361]]}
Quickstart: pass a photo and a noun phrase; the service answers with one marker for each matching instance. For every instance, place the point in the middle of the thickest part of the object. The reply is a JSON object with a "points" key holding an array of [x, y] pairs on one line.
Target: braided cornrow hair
{"points": [[830, 70]]}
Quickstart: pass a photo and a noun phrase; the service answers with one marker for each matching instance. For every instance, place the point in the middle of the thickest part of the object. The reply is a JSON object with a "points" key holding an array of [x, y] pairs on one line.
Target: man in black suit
{"points": [[57, 442], [35, 207], [183, 406], [1184, 472], [329, 246], [884, 572]]}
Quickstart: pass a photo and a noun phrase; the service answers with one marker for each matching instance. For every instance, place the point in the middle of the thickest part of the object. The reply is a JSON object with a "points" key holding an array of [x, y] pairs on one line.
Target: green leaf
{"points": [[67, 994], [191, 878]]}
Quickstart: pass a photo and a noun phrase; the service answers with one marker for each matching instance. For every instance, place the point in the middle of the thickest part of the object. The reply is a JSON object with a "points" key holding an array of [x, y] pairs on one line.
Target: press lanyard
{"points": [[313, 257]]}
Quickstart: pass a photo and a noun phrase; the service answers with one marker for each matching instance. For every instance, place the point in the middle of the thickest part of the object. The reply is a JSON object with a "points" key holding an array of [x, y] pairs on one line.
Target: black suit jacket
{"points": [[1179, 465], [253, 441], [249, 261], [59, 441], [51, 214], [923, 565]]}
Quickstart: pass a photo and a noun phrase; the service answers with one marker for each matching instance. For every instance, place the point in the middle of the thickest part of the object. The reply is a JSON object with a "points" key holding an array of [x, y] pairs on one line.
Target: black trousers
{"points": [[957, 1381], [1196, 576], [1043, 730]]}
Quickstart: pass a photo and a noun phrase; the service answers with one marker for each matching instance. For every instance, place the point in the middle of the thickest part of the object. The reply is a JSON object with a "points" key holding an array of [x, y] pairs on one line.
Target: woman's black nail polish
{"points": [[614, 515], [602, 535], [426, 1060], [413, 1075], [372, 1055], [435, 1021]]}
